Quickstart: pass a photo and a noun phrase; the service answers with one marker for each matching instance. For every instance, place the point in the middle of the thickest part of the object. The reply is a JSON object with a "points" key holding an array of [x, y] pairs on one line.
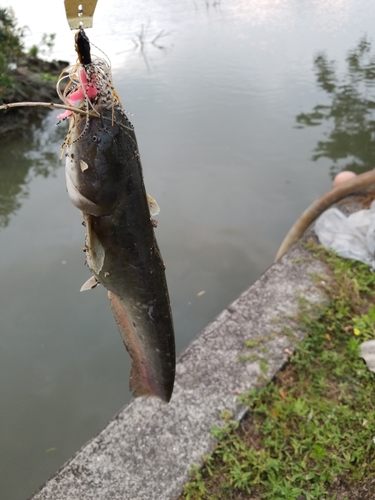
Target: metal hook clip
{"points": [[79, 13]]}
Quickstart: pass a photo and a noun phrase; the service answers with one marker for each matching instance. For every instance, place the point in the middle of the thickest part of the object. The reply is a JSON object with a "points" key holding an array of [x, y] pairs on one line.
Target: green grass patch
{"points": [[310, 433], [47, 77]]}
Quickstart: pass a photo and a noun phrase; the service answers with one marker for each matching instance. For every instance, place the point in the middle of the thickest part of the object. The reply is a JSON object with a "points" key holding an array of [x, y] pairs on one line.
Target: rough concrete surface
{"points": [[146, 451]]}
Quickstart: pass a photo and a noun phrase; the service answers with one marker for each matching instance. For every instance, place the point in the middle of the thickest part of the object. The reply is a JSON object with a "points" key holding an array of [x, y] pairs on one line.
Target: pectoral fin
{"points": [[153, 206], [89, 284], [95, 252]]}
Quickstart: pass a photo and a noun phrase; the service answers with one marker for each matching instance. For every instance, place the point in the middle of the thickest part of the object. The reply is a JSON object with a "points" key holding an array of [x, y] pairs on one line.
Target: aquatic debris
{"points": [[367, 352], [317, 207]]}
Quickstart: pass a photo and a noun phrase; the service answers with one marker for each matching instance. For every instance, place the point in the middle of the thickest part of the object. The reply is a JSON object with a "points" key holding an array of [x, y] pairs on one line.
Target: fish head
{"points": [[94, 160]]}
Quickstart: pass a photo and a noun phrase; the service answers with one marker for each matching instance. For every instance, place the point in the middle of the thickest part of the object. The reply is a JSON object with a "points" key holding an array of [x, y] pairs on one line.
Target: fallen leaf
{"points": [[282, 394]]}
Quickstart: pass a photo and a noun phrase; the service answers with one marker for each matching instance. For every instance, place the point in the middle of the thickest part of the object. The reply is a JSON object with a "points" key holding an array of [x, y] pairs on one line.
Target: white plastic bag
{"points": [[351, 237], [367, 352]]}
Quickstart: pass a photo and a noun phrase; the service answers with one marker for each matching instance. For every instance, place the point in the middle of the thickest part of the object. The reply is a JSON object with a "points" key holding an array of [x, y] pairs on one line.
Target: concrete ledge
{"points": [[146, 451]]}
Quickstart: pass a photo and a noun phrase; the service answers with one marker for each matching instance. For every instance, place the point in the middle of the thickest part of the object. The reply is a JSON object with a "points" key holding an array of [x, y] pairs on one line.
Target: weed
{"points": [[263, 365], [12, 50], [11, 47], [47, 77], [309, 433], [44, 47], [249, 357]]}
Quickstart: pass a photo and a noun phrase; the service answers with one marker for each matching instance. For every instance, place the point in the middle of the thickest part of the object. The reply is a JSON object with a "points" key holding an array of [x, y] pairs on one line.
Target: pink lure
{"points": [[86, 90]]}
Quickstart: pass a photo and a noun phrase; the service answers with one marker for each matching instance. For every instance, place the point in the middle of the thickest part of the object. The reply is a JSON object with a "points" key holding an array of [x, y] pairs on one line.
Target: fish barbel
{"points": [[104, 180]]}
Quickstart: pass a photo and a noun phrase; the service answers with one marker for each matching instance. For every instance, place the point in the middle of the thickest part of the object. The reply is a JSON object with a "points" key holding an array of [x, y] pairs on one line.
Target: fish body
{"points": [[105, 181]]}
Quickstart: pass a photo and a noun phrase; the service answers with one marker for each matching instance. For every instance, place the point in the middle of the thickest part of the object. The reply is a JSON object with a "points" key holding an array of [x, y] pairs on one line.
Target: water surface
{"points": [[218, 101]]}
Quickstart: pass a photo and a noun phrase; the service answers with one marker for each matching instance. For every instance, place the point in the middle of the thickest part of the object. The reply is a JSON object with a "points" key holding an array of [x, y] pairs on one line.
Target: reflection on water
{"points": [[349, 116], [22, 160], [146, 39]]}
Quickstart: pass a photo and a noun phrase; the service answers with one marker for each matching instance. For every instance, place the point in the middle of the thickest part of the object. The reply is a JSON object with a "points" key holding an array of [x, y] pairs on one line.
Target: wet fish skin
{"points": [[104, 180]]}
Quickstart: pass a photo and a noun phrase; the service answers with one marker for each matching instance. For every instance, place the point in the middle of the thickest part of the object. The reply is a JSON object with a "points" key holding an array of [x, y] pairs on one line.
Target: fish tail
{"points": [[142, 378]]}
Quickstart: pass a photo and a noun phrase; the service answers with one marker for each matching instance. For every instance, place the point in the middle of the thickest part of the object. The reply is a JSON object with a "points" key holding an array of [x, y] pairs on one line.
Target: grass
{"points": [[47, 77], [310, 433]]}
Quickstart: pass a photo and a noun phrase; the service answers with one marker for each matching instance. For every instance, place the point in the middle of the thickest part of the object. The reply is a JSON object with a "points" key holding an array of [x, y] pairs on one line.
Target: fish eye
{"points": [[95, 138]]}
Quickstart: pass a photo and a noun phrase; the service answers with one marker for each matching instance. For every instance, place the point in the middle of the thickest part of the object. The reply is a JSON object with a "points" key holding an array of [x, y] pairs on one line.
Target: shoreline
{"points": [[35, 80]]}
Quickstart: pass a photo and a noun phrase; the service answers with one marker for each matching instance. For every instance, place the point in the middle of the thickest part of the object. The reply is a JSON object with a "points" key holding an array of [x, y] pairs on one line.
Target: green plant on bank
{"points": [[44, 47], [12, 49], [11, 46], [311, 431], [47, 77]]}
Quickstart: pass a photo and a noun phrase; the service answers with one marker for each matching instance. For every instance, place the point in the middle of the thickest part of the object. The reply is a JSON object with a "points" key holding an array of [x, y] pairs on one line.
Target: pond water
{"points": [[243, 109]]}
